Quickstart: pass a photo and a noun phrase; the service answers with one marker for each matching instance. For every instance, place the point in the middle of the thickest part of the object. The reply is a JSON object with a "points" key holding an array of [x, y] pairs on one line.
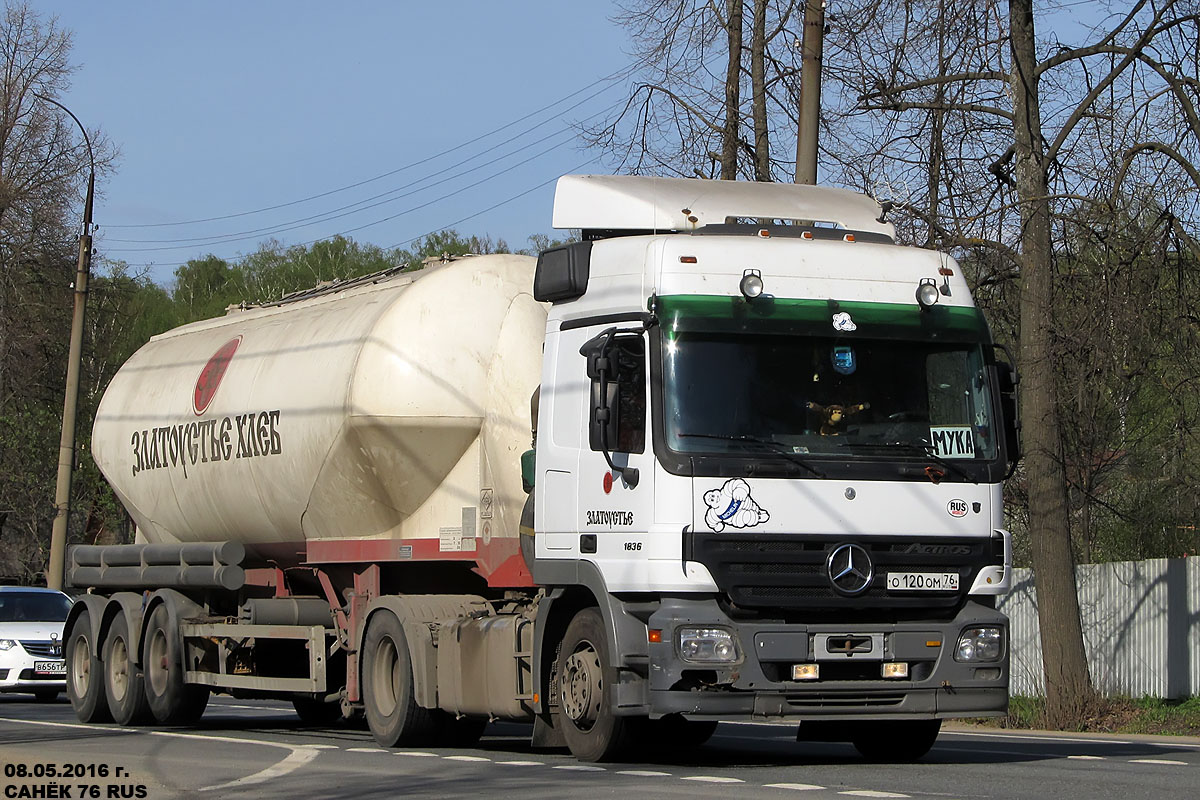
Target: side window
{"points": [[631, 401]]}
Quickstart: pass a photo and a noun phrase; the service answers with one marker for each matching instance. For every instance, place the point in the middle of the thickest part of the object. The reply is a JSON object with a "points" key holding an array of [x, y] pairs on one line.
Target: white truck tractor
{"points": [[765, 484]]}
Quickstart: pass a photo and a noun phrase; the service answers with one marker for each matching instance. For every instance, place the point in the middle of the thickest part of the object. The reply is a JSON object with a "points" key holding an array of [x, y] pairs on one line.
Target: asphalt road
{"points": [[253, 749]]}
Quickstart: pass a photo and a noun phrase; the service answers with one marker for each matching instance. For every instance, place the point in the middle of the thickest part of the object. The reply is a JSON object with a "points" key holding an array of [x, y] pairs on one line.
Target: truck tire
{"points": [[317, 712], [85, 682], [123, 680], [387, 686], [898, 740], [171, 700], [591, 730]]}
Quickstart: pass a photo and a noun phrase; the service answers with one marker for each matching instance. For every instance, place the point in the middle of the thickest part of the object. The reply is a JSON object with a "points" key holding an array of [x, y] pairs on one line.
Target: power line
{"points": [[360, 205], [286, 227], [494, 206], [611, 78]]}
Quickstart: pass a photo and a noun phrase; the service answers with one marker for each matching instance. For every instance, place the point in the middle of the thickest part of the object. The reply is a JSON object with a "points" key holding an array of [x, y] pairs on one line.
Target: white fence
{"points": [[1141, 627]]}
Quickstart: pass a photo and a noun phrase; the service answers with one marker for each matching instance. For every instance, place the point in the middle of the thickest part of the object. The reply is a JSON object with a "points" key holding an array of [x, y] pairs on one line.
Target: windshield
{"points": [[891, 381], [33, 607]]}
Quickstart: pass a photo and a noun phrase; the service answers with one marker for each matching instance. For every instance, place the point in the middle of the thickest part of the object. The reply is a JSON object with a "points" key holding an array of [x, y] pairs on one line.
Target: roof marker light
{"points": [[687, 259], [764, 233], [807, 235], [849, 237]]}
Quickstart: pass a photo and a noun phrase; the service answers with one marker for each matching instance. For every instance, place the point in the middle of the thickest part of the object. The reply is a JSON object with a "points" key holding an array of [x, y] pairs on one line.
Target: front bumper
{"points": [[19, 672], [760, 685]]}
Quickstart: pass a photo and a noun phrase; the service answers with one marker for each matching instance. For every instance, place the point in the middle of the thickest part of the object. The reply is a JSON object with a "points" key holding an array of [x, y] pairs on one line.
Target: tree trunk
{"points": [[1068, 686], [733, 93], [758, 83]]}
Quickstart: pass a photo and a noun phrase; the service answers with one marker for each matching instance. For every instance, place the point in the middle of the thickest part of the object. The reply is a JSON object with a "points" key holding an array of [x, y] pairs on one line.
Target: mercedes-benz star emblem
{"points": [[850, 569]]}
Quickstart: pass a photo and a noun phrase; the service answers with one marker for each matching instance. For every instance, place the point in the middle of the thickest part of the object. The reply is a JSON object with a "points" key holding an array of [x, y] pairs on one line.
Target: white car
{"points": [[31, 643]]}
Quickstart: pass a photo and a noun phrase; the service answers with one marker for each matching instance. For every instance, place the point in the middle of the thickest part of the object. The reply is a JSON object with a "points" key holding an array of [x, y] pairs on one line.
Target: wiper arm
{"points": [[925, 450], [778, 447]]}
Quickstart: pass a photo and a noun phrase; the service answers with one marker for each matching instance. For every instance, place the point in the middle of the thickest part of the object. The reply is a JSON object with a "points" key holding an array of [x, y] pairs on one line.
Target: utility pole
{"points": [[810, 91], [66, 443]]}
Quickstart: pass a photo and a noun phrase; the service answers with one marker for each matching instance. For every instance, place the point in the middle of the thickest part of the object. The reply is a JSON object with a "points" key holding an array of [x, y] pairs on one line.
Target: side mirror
{"points": [[1008, 380], [603, 368]]}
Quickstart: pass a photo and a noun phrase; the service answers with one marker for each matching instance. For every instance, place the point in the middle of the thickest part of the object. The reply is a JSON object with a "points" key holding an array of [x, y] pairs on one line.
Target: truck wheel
{"points": [[85, 684], [387, 686], [171, 700], [123, 687], [591, 730], [316, 712], [899, 740]]}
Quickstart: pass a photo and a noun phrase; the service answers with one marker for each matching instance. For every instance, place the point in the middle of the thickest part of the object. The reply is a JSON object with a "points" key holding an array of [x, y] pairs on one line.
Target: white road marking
{"points": [[323, 746], [712, 779], [415, 754], [873, 793], [581, 768], [365, 750], [466, 758], [1158, 761], [644, 773], [1087, 758], [298, 756], [1033, 738], [292, 762], [521, 763], [796, 787]]}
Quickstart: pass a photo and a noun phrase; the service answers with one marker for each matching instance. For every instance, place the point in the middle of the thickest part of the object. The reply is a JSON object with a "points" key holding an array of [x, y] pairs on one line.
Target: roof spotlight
{"points": [[927, 293], [752, 284]]}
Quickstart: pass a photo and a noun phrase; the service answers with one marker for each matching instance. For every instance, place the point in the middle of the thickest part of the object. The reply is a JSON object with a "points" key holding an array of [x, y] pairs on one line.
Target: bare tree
{"points": [[711, 96], [43, 168], [999, 140]]}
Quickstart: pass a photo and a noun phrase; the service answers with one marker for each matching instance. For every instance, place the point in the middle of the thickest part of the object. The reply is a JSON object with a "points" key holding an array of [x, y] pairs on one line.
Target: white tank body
{"points": [[389, 410]]}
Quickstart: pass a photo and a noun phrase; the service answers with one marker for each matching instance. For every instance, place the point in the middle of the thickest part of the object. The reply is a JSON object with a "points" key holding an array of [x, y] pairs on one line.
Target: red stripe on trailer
{"points": [[498, 561]]}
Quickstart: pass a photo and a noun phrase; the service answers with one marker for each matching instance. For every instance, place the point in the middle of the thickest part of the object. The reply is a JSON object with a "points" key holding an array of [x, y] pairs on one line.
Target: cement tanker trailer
{"points": [[765, 483]]}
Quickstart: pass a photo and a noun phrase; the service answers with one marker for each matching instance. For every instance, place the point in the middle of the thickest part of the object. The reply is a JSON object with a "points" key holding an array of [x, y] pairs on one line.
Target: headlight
{"points": [[707, 646], [980, 644], [7, 644]]}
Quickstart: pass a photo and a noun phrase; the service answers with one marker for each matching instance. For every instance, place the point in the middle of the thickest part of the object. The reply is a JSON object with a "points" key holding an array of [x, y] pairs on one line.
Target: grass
{"points": [[1126, 715]]}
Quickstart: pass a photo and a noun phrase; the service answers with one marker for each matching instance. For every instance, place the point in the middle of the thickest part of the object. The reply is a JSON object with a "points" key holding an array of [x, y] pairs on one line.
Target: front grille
{"points": [[30, 675], [787, 571], [825, 701], [3, 674], [43, 648]]}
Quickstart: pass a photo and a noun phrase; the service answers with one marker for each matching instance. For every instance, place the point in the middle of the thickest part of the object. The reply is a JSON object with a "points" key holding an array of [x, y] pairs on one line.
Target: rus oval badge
{"points": [[210, 376], [957, 508]]}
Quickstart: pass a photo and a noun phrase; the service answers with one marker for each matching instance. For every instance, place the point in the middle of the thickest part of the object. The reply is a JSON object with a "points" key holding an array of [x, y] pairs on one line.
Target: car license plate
{"points": [[922, 581], [50, 667]]}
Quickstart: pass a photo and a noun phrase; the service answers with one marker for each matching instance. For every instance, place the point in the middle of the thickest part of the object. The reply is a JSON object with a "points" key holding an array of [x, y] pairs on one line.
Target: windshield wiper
{"points": [[778, 447], [925, 450]]}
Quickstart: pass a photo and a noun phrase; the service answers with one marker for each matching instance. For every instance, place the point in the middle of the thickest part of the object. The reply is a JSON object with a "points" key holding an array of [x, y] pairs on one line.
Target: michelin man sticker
{"points": [[842, 322], [732, 506]]}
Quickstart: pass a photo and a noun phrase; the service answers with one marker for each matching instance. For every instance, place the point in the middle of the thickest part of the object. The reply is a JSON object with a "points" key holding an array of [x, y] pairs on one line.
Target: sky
{"points": [[447, 114]]}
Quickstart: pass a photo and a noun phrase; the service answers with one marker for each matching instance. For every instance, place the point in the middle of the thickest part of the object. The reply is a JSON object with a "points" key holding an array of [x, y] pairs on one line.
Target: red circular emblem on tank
{"points": [[608, 482], [210, 376]]}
